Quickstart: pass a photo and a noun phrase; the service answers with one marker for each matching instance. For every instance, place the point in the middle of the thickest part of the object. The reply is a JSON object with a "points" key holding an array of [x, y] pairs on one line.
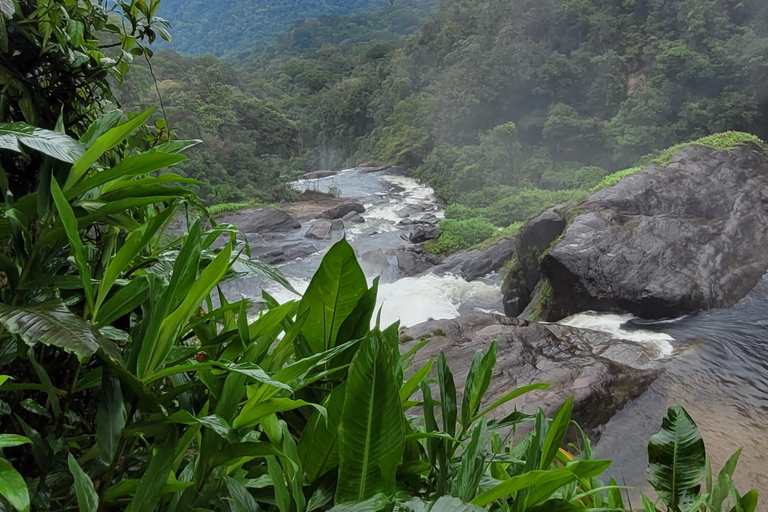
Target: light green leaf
{"points": [[51, 143], [372, 504], [509, 487], [12, 487], [103, 144], [69, 221], [556, 434], [510, 396], [11, 440], [332, 296], [87, 499], [254, 411]]}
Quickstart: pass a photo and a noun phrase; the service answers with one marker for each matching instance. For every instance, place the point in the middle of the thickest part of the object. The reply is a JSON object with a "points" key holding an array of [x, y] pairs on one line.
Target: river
{"points": [[715, 364]]}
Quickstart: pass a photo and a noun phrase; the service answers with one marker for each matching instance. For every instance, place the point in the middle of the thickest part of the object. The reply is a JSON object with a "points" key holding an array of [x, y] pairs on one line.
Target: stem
{"points": [[110, 474]]}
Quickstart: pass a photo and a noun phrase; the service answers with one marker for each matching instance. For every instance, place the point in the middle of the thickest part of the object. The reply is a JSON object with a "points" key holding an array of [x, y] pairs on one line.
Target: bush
{"points": [[614, 178], [457, 235], [725, 141], [526, 203], [572, 178], [458, 211]]}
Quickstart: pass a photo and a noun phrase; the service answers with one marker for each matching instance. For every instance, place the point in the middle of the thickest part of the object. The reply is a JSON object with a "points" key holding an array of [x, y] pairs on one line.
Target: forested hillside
{"points": [[502, 106], [225, 26]]}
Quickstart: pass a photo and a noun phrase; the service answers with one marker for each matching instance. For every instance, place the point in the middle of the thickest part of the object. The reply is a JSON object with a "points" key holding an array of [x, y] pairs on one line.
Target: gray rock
{"points": [[337, 225], [472, 265], [410, 210], [420, 234], [374, 262], [412, 261], [353, 217], [406, 222], [534, 238], [573, 361], [286, 252], [428, 218], [667, 241], [320, 230], [341, 210], [488, 261], [261, 220], [316, 175]]}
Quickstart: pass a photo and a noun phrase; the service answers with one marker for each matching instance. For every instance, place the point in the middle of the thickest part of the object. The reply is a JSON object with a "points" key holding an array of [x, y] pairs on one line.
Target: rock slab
{"points": [[572, 360]]}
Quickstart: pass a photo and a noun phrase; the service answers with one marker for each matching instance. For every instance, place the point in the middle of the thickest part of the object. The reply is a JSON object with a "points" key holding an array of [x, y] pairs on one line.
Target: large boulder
{"points": [[474, 264], [261, 221], [316, 175], [320, 230], [341, 210], [533, 240], [572, 360], [667, 241], [413, 260], [689, 236], [282, 252], [421, 234]]}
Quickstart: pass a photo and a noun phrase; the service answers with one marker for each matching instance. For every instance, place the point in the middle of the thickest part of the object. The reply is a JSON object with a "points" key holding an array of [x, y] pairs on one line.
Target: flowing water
{"points": [[714, 364], [412, 300]]}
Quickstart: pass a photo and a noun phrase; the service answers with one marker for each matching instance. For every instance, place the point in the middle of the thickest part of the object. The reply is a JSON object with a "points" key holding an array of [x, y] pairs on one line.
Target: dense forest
{"points": [[230, 25], [501, 106]]}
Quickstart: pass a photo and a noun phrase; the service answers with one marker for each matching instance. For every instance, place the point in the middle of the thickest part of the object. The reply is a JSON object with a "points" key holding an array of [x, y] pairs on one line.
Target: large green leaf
{"points": [[152, 355], [153, 481], [132, 166], [318, 447], [53, 324], [371, 436], [51, 143], [556, 433], [87, 500], [12, 487], [332, 296], [69, 221], [677, 459], [104, 143], [517, 483]]}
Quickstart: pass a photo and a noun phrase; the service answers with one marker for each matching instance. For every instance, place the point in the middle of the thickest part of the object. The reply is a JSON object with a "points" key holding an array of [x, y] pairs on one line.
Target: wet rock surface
{"points": [[664, 242], [667, 241], [316, 175], [472, 265], [261, 221], [414, 260], [320, 230], [341, 210], [574, 361]]}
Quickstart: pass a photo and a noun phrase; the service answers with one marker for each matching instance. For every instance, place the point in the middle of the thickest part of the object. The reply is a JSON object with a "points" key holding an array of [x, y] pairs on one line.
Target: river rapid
{"points": [[714, 364]]}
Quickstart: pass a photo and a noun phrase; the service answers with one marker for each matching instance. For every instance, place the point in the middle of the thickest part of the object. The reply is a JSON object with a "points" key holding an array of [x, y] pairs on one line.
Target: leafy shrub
{"points": [[526, 203], [458, 211], [457, 235]]}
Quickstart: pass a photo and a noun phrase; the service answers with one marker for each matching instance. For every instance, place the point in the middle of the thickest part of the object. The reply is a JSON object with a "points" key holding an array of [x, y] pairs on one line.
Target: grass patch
{"points": [[500, 235], [218, 209], [457, 235], [725, 141]]}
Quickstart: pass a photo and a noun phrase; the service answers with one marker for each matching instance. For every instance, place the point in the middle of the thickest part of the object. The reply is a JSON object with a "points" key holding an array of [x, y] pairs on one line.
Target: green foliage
{"points": [[461, 234], [616, 177], [724, 141], [220, 208]]}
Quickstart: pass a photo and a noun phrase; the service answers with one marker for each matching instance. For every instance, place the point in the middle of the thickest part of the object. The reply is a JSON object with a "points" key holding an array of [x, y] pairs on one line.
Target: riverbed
{"points": [[715, 364]]}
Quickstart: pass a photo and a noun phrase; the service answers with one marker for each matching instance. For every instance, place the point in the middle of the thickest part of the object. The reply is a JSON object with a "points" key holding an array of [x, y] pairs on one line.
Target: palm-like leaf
{"points": [[332, 296], [53, 324], [54, 144], [371, 437], [677, 459]]}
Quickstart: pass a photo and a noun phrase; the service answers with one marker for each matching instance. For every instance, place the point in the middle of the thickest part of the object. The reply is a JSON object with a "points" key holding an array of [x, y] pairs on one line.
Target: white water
{"points": [[612, 324]]}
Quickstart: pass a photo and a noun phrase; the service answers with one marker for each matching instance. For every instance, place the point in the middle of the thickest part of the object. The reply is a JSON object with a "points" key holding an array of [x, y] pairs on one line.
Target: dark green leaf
{"points": [[87, 500], [677, 459]]}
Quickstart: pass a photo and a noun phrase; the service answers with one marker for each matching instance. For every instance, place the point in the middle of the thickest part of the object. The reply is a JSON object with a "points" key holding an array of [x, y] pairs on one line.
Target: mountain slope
{"points": [[201, 26]]}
